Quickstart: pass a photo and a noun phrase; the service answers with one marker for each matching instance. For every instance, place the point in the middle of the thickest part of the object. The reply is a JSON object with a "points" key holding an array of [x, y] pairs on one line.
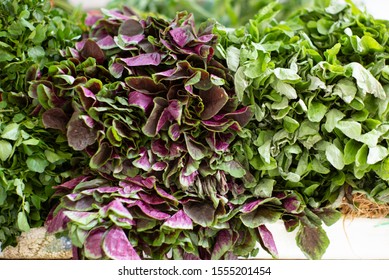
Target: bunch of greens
{"points": [[318, 86], [158, 115], [32, 160]]}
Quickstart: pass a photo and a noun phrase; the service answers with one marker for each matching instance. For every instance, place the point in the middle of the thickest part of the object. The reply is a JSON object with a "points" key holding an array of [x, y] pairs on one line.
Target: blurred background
{"points": [[228, 12]]}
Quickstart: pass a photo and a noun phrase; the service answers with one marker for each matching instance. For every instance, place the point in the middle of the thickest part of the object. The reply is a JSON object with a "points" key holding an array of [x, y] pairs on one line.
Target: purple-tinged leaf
{"points": [[131, 27], [92, 18], [140, 100], [159, 166], [79, 135], [92, 49], [116, 70], [216, 145], [214, 100], [312, 240], [88, 121], [132, 40], [223, 243], [82, 218], [151, 199], [175, 110], [328, 215], [106, 43], [166, 195], [116, 207], [179, 221], [117, 246], [242, 116], [182, 35], [291, 224], [71, 184], [188, 180], [267, 241], [143, 60], [101, 157], [83, 204], [251, 206], [165, 118], [88, 98], [151, 127], [174, 131], [159, 148], [55, 118], [143, 162], [93, 244], [58, 222], [205, 38], [196, 150], [115, 15], [145, 85], [260, 216], [292, 205], [151, 212], [201, 213]]}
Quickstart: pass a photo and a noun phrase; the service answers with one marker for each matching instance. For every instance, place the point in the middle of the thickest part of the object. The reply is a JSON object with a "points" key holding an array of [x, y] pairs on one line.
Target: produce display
{"points": [[148, 136]]}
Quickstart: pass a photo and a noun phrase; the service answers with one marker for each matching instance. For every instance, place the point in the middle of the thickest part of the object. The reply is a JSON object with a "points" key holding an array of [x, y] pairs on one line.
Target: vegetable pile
{"points": [[169, 141]]}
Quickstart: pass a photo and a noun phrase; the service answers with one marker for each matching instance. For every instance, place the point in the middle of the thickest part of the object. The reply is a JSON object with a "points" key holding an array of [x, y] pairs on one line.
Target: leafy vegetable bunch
{"points": [[32, 160], [157, 114], [318, 86]]}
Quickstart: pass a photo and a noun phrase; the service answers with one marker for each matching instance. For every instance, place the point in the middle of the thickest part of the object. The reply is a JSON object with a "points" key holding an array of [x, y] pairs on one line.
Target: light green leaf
{"points": [[335, 156], [286, 74], [233, 168], [5, 150], [22, 222], [351, 129], [265, 188], [233, 56], [332, 119], [240, 83], [316, 111], [284, 89], [37, 164], [345, 89], [377, 154], [350, 151], [366, 81], [11, 132]]}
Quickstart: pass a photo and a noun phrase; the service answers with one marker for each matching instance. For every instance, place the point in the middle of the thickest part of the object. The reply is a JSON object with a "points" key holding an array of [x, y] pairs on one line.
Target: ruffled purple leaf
{"points": [[132, 40], [174, 131], [93, 244], [179, 221], [152, 212], [166, 195], [116, 207], [92, 49], [292, 205], [159, 166], [159, 148], [242, 116], [145, 85], [117, 246], [101, 157], [201, 213], [131, 27], [88, 98], [79, 135], [140, 100], [267, 241], [58, 222], [223, 243], [106, 43], [55, 118], [214, 100], [116, 70], [143, 60], [78, 204], [182, 35], [188, 180], [151, 127], [151, 199], [82, 218], [143, 162], [196, 150]]}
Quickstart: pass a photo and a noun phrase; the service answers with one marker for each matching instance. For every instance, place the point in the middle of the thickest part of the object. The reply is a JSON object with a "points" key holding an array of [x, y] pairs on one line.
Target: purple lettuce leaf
{"points": [[55, 118], [201, 213], [102, 156], [57, 222], [82, 218], [267, 241], [92, 49], [143, 60], [141, 100], [145, 85], [131, 27], [214, 100], [223, 243], [117, 208], [93, 244], [179, 221], [79, 135], [143, 162], [117, 246], [182, 35]]}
